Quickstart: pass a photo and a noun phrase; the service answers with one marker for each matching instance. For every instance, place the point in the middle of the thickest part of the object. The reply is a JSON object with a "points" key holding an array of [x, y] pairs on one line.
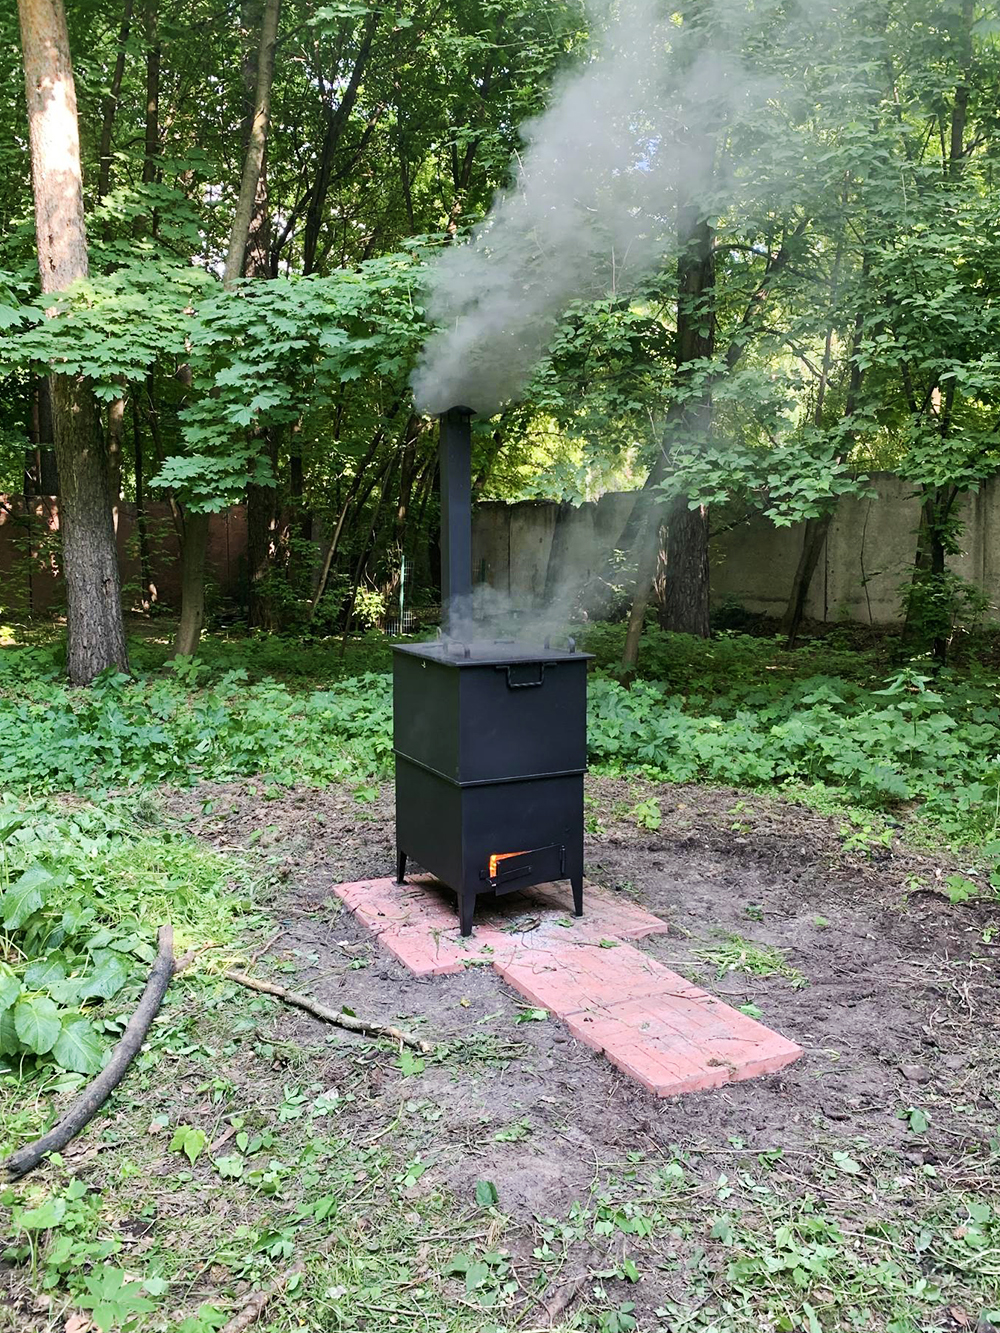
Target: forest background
{"points": [[823, 301]]}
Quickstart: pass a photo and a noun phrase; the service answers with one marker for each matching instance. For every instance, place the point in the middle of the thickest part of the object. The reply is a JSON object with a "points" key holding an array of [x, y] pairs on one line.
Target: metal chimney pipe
{"points": [[455, 445]]}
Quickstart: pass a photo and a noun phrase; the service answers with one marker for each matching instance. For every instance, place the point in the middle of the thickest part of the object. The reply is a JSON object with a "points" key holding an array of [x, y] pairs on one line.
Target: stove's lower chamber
{"points": [[490, 746]]}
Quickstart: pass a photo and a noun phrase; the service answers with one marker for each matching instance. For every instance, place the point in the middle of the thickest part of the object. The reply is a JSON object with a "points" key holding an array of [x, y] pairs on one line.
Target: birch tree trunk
{"points": [[95, 630]]}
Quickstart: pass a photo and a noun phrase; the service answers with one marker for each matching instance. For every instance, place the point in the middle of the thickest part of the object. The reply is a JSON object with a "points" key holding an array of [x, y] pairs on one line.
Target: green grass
{"points": [[332, 1175], [737, 711], [735, 954], [340, 1191], [367, 1237], [83, 890]]}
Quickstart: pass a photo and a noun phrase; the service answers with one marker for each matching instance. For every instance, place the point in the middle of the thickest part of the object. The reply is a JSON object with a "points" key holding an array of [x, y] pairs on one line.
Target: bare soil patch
{"points": [[897, 1008]]}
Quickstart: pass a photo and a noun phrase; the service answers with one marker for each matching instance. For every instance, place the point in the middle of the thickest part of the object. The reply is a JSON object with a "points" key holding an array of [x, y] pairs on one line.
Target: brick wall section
{"points": [[30, 580]]}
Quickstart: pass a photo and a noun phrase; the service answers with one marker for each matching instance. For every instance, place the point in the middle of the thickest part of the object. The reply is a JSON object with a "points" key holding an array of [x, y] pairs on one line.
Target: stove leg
{"points": [[400, 867], [577, 883], [466, 908]]}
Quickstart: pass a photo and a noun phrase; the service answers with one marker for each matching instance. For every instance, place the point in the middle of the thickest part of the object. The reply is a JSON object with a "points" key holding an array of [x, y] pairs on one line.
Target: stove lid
{"points": [[487, 652]]}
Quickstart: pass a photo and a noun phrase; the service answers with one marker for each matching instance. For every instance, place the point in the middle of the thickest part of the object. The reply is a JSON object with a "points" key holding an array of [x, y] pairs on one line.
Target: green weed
{"points": [[735, 954], [647, 814], [82, 891]]}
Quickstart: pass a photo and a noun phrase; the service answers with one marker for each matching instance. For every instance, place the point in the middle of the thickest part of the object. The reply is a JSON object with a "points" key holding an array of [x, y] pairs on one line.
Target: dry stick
{"points": [[563, 1298], [254, 1308], [192, 956], [318, 1010], [266, 947], [97, 1093]]}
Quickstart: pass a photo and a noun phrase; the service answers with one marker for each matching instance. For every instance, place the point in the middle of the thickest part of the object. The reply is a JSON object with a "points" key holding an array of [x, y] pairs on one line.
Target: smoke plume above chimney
{"points": [[591, 208]]}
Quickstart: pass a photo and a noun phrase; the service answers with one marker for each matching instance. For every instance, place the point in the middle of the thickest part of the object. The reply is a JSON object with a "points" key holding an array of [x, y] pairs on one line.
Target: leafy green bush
{"points": [[904, 743], [706, 667], [186, 725], [81, 893], [737, 710], [311, 658]]}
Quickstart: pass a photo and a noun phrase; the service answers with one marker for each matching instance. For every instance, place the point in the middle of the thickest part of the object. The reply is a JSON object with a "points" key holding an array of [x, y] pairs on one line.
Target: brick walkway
{"points": [[661, 1030]]}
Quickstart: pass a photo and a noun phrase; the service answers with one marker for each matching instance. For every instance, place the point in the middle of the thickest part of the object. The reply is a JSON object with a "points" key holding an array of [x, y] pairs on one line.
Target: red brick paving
{"points": [[659, 1029]]}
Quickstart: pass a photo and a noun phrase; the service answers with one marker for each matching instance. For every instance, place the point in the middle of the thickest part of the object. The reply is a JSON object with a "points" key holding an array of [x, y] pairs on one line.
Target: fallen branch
{"points": [[254, 1307], [266, 947], [563, 1297], [186, 959], [223, 1138], [93, 1097], [318, 1010]]}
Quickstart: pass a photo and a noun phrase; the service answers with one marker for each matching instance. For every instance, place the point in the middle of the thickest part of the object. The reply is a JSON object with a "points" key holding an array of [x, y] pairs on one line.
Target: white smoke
{"points": [[591, 210]]}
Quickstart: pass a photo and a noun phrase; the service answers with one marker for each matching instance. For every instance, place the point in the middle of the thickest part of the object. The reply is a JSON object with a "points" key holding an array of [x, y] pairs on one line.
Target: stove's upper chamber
{"points": [[490, 712], [490, 736]]}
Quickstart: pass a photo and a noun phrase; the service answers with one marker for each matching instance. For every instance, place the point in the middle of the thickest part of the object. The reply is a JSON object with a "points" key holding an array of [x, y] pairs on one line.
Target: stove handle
{"points": [[524, 684]]}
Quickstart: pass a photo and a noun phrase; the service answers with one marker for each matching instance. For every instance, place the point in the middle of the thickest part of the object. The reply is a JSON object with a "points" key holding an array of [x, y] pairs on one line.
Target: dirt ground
{"points": [[896, 1008]]}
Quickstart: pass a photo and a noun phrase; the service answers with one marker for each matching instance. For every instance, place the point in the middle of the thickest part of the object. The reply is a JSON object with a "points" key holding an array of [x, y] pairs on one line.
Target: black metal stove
{"points": [[490, 737]]}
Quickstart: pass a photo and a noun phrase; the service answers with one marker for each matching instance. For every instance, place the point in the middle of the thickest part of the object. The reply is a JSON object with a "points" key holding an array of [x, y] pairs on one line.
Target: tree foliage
{"points": [[855, 267]]}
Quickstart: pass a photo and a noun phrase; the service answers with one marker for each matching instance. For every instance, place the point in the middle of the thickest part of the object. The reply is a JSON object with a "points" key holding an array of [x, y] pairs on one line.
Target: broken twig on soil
{"points": [[256, 1304], [254, 1308], [563, 1297], [186, 959], [93, 1097], [318, 1010]]}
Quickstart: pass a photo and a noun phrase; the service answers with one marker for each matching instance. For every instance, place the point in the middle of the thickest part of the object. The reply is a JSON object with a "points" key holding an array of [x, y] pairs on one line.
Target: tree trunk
{"points": [[145, 568], [261, 500], [685, 602], [151, 125], [116, 435], [817, 529], [930, 565], [649, 548], [813, 541], [336, 123], [195, 535], [151, 135], [261, 517], [111, 105], [960, 106], [256, 146], [194, 547], [407, 472], [95, 630], [685, 606], [944, 501], [296, 475], [41, 476]]}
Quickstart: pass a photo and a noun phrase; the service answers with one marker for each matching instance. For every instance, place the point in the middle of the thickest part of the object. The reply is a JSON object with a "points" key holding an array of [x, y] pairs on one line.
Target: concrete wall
{"points": [[535, 552], [527, 550]]}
